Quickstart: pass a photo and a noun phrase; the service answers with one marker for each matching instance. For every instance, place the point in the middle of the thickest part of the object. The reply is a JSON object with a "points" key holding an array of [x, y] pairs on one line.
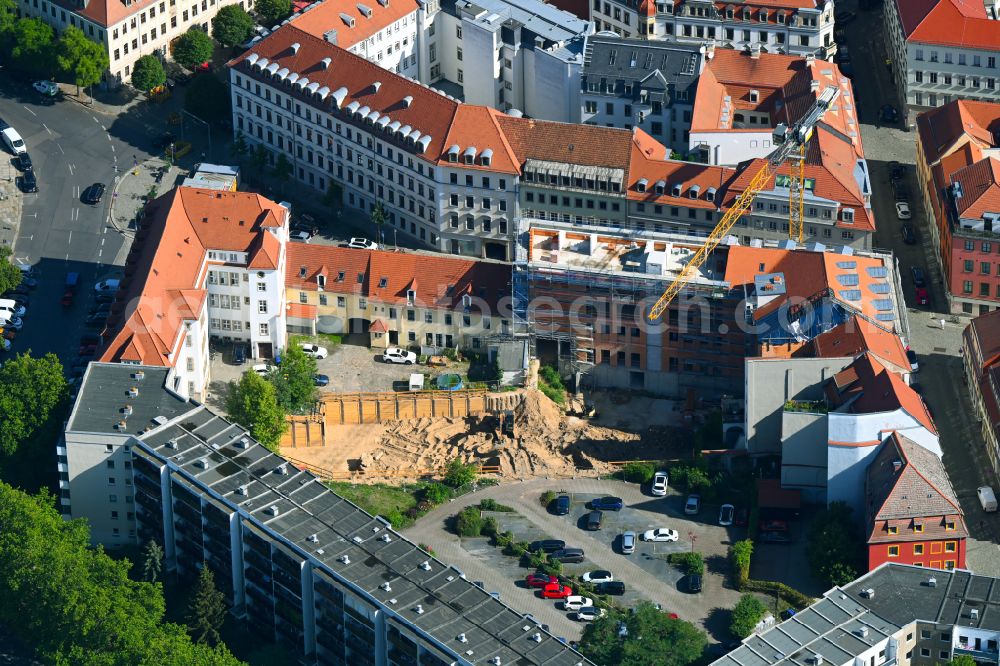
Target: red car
{"points": [[539, 580], [921, 294], [556, 591], [774, 526]]}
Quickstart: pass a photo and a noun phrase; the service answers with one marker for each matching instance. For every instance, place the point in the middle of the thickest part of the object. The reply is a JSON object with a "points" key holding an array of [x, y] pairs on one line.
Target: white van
{"points": [[987, 498], [416, 382], [13, 141]]}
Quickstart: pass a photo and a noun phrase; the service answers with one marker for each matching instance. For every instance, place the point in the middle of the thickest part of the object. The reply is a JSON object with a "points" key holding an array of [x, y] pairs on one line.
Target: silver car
{"points": [[628, 542]]}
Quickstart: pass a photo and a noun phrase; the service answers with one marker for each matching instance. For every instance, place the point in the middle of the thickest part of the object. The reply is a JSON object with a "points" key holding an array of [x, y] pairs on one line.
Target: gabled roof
{"points": [[699, 179], [326, 17], [960, 23], [164, 278], [941, 129], [855, 337], [980, 184], [905, 481], [571, 143], [867, 387], [105, 13], [386, 277], [984, 331]]}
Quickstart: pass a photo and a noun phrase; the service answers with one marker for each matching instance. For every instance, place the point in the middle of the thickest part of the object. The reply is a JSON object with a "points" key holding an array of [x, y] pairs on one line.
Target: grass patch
{"points": [[550, 384], [397, 504], [328, 340]]}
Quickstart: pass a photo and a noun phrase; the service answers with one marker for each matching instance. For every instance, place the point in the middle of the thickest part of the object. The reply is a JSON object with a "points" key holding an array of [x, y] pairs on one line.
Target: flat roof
{"points": [[546, 21], [105, 392], [362, 552]]}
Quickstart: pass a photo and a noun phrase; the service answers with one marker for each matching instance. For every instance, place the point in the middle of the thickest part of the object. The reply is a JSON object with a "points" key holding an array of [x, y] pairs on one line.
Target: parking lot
{"points": [[645, 573]]}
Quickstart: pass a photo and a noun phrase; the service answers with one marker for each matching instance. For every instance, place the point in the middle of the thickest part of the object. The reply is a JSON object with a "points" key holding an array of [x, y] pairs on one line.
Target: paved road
{"points": [[703, 609]]}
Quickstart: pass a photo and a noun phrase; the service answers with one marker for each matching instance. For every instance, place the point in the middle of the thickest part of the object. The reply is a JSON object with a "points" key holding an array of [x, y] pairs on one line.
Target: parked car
{"points": [[918, 276], [575, 602], [24, 161], [888, 114], [47, 88], [726, 512], [598, 576], [774, 537], [539, 580], [594, 520], [909, 237], [615, 587], [28, 182], [10, 322], [12, 306], [774, 526], [693, 505], [546, 545], [694, 583], [660, 534], [920, 294], [362, 244], [911, 356], [263, 369], [568, 555], [92, 195], [397, 355], [659, 488], [556, 591], [13, 140], [607, 503], [628, 542], [896, 170], [903, 210], [314, 350], [560, 506], [107, 286], [300, 236], [590, 613], [742, 514], [321, 380], [239, 354]]}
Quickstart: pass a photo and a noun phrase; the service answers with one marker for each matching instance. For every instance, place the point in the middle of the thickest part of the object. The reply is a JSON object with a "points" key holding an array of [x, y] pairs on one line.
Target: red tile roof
{"points": [[644, 166], [980, 188], [572, 143], [906, 483], [807, 273], [105, 12], [857, 336], [960, 23], [875, 389], [439, 281], [982, 341], [165, 272], [325, 17], [942, 128]]}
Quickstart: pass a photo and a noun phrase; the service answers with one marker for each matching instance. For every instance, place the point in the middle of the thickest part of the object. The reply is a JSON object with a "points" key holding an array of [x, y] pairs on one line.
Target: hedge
{"points": [[789, 594], [638, 472], [739, 556]]}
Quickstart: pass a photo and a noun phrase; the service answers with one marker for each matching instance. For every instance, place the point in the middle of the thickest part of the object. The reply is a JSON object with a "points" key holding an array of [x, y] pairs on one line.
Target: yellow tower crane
{"points": [[792, 143]]}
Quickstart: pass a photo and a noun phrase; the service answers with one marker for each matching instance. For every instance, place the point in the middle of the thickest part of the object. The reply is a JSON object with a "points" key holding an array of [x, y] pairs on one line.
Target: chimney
{"points": [[326, 63], [407, 101], [710, 51], [295, 47], [755, 51], [813, 85], [810, 59], [376, 85]]}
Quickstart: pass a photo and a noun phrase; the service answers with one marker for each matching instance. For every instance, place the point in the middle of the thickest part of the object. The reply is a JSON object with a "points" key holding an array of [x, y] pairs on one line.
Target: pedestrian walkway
{"points": [[137, 185], [10, 204]]}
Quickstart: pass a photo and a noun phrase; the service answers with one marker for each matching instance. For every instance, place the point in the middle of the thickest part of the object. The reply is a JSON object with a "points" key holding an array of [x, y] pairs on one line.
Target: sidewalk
{"points": [[10, 204], [131, 188]]}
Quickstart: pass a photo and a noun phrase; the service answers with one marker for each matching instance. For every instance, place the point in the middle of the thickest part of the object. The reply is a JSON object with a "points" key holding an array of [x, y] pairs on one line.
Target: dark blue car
{"points": [[321, 380], [607, 504], [561, 505]]}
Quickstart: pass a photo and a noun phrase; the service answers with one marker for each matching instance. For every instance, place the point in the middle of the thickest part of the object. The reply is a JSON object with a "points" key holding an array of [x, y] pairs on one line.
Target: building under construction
{"points": [[582, 296]]}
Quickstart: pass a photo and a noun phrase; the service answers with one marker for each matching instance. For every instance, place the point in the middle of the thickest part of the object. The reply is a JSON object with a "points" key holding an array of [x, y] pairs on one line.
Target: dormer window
{"points": [[710, 194], [641, 185], [754, 96], [383, 283], [469, 156], [486, 158], [302, 271], [746, 14], [847, 215], [660, 186], [763, 16], [781, 18], [411, 297], [453, 154], [361, 278], [340, 276], [675, 190], [321, 281], [693, 192], [466, 301]]}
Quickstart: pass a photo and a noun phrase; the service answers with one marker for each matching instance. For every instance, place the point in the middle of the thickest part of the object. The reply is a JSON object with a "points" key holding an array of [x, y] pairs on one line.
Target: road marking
{"points": [[104, 238], [70, 168], [59, 146], [71, 237], [46, 128], [29, 111], [112, 145], [99, 253], [96, 120]]}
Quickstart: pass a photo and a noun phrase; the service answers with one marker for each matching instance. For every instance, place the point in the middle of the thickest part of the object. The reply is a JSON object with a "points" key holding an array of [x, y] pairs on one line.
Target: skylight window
{"points": [[848, 279], [882, 304], [847, 264], [880, 288], [877, 271], [850, 294]]}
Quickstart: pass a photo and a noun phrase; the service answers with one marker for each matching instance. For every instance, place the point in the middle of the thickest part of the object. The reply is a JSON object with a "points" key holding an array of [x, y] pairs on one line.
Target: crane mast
{"points": [[792, 143]]}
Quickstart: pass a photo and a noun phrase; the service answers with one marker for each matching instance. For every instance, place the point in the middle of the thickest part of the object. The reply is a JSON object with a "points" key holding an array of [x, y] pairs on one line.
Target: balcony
{"points": [[981, 655], [807, 406]]}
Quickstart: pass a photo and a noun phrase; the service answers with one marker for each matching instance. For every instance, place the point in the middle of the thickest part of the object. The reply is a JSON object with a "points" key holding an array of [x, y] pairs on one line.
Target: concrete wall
{"points": [[803, 454], [93, 495], [731, 148], [770, 382], [551, 86]]}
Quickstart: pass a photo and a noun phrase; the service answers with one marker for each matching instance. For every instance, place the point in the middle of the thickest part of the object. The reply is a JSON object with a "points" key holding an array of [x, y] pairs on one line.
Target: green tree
{"points": [[32, 44], [232, 26], [75, 605], [259, 158], [469, 522], [191, 49], [80, 58], [152, 561], [377, 218], [253, 403], [293, 381], [651, 638], [8, 15], [207, 98], [206, 610], [273, 12], [638, 472], [240, 146], [334, 195], [282, 169], [746, 614], [457, 473], [30, 389], [834, 548], [961, 660], [148, 73], [10, 275]]}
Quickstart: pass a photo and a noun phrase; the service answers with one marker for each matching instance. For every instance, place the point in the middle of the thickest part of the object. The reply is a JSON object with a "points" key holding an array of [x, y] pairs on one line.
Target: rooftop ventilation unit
{"points": [[127, 410], [496, 661], [244, 443], [932, 582], [462, 639], [171, 444], [974, 613], [312, 538], [386, 587], [160, 420], [537, 637], [357, 539], [273, 510], [120, 425], [139, 375], [408, 101], [242, 490], [295, 47], [419, 610], [425, 565], [862, 632], [133, 392], [345, 559], [386, 538], [818, 660], [202, 463], [281, 469], [326, 62]]}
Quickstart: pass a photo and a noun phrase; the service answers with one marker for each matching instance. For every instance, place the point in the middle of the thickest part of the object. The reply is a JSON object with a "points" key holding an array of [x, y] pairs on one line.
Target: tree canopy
{"points": [[208, 99], [207, 609], [650, 638], [75, 605], [293, 380], [80, 58], [746, 614], [32, 45], [10, 275], [253, 403], [30, 389], [273, 12], [834, 547], [232, 26], [191, 49], [148, 73]]}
